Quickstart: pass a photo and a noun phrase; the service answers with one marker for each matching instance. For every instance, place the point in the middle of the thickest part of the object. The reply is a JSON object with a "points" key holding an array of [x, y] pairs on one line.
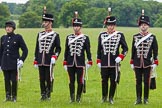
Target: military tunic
{"points": [[9, 51], [108, 51], [74, 51], [46, 47], [142, 54]]}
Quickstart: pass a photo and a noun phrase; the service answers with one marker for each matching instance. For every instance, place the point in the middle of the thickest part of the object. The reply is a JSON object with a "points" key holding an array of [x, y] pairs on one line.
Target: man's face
{"points": [[110, 27], [9, 29], [144, 27], [47, 24], [76, 29]]}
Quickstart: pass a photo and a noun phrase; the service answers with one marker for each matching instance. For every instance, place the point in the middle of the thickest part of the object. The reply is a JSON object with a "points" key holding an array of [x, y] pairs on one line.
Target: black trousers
{"points": [[10, 78], [45, 82], [72, 72], [142, 74], [106, 74]]}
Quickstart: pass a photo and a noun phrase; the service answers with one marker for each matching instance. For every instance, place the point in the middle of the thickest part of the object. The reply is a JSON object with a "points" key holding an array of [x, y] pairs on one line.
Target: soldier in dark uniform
{"points": [[144, 47], [10, 59], [108, 56], [74, 57], [46, 53]]}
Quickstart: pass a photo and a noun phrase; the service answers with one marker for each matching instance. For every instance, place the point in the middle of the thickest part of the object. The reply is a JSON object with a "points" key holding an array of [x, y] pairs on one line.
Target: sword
{"points": [[18, 72], [117, 70], [117, 77], [85, 78], [51, 76]]}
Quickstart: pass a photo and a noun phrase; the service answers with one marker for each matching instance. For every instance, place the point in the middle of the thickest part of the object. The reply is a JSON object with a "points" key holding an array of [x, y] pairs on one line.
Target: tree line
{"points": [[92, 12]]}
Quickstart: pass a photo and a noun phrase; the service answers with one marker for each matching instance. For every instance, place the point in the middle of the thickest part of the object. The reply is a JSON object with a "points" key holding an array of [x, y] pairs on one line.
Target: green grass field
{"points": [[29, 91]]}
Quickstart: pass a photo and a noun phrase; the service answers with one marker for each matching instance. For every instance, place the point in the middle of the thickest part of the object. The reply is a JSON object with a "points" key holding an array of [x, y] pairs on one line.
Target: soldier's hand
{"points": [[132, 66], [20, 63], [118, 59], [53, 59], [0, 69], [36, 66], [153, 67], [65, 67], [99, 65], [35, 63], [89, 64]]}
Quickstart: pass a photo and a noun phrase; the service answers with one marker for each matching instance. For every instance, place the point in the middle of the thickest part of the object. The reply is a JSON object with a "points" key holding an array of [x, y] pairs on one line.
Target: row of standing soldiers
{"points": [[47, 50]]}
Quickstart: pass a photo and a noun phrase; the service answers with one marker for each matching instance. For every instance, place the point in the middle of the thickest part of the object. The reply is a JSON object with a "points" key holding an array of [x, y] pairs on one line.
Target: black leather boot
{"points": [[79, 92], [104, 92], [72, 92], [138, 101], [8, 97]]}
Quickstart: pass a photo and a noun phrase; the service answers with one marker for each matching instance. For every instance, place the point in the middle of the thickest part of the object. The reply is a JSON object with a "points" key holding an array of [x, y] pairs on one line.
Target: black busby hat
{"points": [[143, 19], [10, 24], [47, 17], [76, 21], [110, 19]]}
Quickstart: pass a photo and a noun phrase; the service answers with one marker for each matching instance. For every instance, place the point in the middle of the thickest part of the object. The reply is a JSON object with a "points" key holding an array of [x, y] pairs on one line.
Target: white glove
{"points": [[88, 66], [65, 67], [153, 66], [36, 66], [99, 65], [118, 59], [20, 63], [0, 69], [153, 74], [53, 60], [132, 66]]}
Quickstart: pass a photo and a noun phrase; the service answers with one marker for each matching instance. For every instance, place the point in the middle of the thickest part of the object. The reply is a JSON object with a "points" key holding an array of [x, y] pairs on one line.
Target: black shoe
{"points": [[104, 99], [48, 97], [138, 101], [8, 98], [146, 101], [111, 101], [43, 98], [72, 100], [14, 99], [78, 99]]}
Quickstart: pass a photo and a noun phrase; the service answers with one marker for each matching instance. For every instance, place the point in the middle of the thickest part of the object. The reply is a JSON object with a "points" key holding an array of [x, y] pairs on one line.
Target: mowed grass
{"points": [[29, 91]]}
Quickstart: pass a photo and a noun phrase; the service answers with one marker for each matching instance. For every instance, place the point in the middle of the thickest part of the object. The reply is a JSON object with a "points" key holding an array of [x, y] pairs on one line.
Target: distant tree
{"points": [[51, 9], [37, 7], [158, 22], [94, 17], [126, 11], [67, 11], [4, 15], [29, 20]]}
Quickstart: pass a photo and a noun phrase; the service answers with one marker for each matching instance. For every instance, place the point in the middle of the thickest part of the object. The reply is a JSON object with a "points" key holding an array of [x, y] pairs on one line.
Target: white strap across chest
{"points": [[43, 36], [77, 37], [142, 39], [110, 36]]}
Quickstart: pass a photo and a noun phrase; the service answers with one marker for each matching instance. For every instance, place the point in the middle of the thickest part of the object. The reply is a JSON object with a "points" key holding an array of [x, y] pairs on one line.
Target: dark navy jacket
{"points": [[9, 51]]}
